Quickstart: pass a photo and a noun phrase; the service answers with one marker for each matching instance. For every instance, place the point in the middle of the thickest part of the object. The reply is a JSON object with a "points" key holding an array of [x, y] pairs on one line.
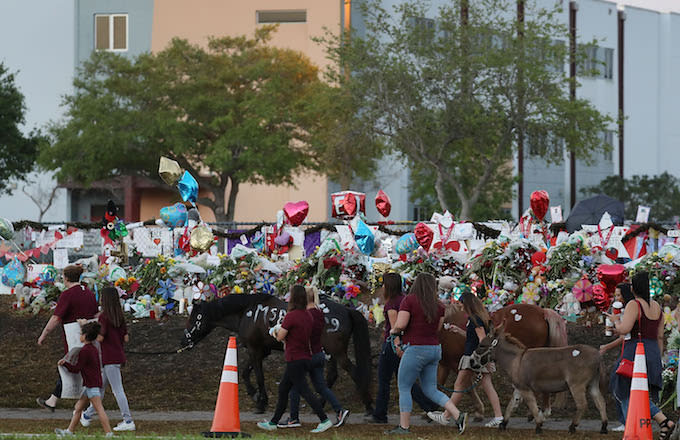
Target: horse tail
{"points": [[362, 355], [557, 328]]}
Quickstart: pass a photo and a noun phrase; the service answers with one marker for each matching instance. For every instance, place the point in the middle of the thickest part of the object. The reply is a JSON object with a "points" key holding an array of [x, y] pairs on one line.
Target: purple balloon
{"points": [[282, 239]]}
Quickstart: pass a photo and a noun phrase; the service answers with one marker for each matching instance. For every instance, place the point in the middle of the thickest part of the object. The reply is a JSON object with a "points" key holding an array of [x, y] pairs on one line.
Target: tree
{"points": [[17, 151], [237, 111], [453, 95], [661, 193]]}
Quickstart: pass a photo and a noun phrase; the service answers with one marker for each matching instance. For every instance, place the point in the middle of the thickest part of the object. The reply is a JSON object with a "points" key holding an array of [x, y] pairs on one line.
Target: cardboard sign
{"points": [[60, 258], [642, 214], [556, 214]]}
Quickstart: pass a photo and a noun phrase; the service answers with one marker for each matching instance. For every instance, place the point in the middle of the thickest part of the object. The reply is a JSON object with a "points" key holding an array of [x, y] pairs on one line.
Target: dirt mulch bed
{"points": [[190, 380]]}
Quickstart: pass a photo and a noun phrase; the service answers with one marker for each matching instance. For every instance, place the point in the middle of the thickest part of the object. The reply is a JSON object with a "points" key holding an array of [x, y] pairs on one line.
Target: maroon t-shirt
{"points": [[299, 325], [318, 323], [112, 345], [88, 366], [419, 331], [392, 304], [75, 303]]}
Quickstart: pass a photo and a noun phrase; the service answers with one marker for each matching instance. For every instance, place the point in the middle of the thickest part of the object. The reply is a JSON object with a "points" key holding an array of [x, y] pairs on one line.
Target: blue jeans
{"points": [[653, 409], [420, 362], [319, 382], [388, 366]]}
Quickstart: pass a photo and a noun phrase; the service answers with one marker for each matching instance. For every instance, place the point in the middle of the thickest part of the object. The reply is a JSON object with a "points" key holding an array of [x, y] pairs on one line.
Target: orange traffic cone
{"points": [[227, 421], [638, 420]]}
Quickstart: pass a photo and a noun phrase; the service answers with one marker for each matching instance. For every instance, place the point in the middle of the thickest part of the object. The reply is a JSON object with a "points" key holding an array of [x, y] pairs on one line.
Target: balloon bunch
{"points": [[200, 238], [114, 229]]}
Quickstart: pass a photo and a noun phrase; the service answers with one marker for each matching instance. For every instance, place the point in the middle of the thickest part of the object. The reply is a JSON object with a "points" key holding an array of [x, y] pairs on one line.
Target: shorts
{"points": [[465, 361], [91, 392]]}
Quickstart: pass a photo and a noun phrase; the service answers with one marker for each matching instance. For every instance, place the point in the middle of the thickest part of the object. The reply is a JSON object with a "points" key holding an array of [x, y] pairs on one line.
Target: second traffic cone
{"points": [[227, 421], [638, 420]]}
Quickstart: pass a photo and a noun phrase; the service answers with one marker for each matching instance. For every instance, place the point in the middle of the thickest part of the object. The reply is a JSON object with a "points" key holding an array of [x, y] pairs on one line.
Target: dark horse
{"points": [[251, 317]]}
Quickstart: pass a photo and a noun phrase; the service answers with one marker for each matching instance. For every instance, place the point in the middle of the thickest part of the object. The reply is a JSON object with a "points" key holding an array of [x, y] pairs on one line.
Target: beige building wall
{"points": [[198, 19]]}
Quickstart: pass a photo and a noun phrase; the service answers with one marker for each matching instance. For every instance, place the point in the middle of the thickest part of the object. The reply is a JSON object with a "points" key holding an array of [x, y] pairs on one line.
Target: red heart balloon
{"points": [[612, 253], [296, 212], [601, 297], [383, 204], [157, 241], [350, 204], [540, 202], [424, 235]]}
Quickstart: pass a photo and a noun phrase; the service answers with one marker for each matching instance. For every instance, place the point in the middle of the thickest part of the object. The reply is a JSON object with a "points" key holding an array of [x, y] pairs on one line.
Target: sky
{"points": [[658, 5]]}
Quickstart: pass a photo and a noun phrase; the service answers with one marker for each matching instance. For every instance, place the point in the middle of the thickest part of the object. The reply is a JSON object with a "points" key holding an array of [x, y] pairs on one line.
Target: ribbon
{"points": [[603, 241]]}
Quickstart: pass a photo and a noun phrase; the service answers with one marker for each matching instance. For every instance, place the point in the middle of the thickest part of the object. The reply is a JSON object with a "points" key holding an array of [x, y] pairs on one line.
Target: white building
{"points": [[651, 129]]}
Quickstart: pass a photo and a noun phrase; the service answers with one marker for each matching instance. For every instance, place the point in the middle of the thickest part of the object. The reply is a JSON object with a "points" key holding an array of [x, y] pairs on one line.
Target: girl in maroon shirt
{"points": [[112, 336], [90, 369], [296, 330]]}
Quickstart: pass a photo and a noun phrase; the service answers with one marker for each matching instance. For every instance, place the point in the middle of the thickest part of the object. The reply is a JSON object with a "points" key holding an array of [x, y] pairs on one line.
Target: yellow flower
{"points": [[132, 279], [238, 289], [244, 273]]}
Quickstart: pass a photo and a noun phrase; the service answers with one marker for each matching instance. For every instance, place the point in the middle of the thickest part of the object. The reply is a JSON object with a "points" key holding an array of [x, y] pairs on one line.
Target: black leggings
{"points": [[295, 375], [57, 388]]}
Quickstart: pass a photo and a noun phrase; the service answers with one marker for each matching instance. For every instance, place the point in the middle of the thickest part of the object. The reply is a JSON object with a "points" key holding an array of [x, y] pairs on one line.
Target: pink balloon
{"points": [[296, 212]]}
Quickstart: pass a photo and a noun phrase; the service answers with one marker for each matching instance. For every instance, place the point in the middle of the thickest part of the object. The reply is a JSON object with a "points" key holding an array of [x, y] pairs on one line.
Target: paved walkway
{"points": [[64, 414]]}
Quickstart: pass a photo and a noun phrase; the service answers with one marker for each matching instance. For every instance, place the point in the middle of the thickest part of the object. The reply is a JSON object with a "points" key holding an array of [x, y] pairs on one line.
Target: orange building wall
{"points": [[198, 19]]}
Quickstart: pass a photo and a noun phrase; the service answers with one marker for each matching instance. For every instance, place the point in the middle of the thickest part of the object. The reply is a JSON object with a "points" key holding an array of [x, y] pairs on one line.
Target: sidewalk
{"points": [[310, 419]]}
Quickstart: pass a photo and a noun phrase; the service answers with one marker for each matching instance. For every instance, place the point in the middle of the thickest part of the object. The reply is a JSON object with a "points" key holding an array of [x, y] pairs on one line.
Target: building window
{"points": [[608, 139], [111, 32], [544, 145], [294, 16], [598, 62], [419, 213]]}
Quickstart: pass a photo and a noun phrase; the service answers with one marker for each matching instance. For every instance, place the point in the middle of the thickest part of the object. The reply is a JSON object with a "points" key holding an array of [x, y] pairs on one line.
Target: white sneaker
{"points": [[109, 434], [494, 423], [619, 428], [85, 420], [438, 416], [125, 426], [63, 432]]}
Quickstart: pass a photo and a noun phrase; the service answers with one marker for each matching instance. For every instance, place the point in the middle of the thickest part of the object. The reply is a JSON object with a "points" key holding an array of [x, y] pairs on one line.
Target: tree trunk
{"points": [[231, 202], [465, 208], [441, 196]]}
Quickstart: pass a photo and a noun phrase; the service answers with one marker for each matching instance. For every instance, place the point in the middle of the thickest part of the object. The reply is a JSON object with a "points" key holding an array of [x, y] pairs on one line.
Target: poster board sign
{"points": [[71, 383], [556, 214], [642, 214]]}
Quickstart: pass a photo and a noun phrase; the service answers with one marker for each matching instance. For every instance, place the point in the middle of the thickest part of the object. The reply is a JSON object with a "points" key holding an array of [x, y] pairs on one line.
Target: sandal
{"points": [[667, 428]]}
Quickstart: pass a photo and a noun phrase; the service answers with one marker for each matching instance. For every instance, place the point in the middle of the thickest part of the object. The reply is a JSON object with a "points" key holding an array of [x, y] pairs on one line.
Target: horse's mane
{"points": [[514, 341]]}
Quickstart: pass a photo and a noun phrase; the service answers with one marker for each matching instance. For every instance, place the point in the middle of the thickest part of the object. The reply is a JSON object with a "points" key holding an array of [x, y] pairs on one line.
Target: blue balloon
{"points": [[13, 273], [174, 216], [364, 238], [406, 243], [188, 187]]}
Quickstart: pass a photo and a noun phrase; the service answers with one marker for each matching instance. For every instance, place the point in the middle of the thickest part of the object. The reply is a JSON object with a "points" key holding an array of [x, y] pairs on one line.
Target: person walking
{"points": [[420, 318], [624, 295], [296, 330], [89, 368], [388, 362], [642, 321], [112, 336], [318, 362], [76, 302], [478, 326]]}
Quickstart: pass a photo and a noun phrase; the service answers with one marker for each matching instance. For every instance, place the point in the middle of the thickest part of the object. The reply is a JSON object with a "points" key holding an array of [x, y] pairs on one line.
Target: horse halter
{"points": [[188, 334], [481, 360]]}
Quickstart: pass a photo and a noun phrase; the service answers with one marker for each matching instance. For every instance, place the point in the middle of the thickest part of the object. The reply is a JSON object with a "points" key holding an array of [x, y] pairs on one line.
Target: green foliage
{"points": [[17, 151], [453, 97], [661, 193], [236, 111]]}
